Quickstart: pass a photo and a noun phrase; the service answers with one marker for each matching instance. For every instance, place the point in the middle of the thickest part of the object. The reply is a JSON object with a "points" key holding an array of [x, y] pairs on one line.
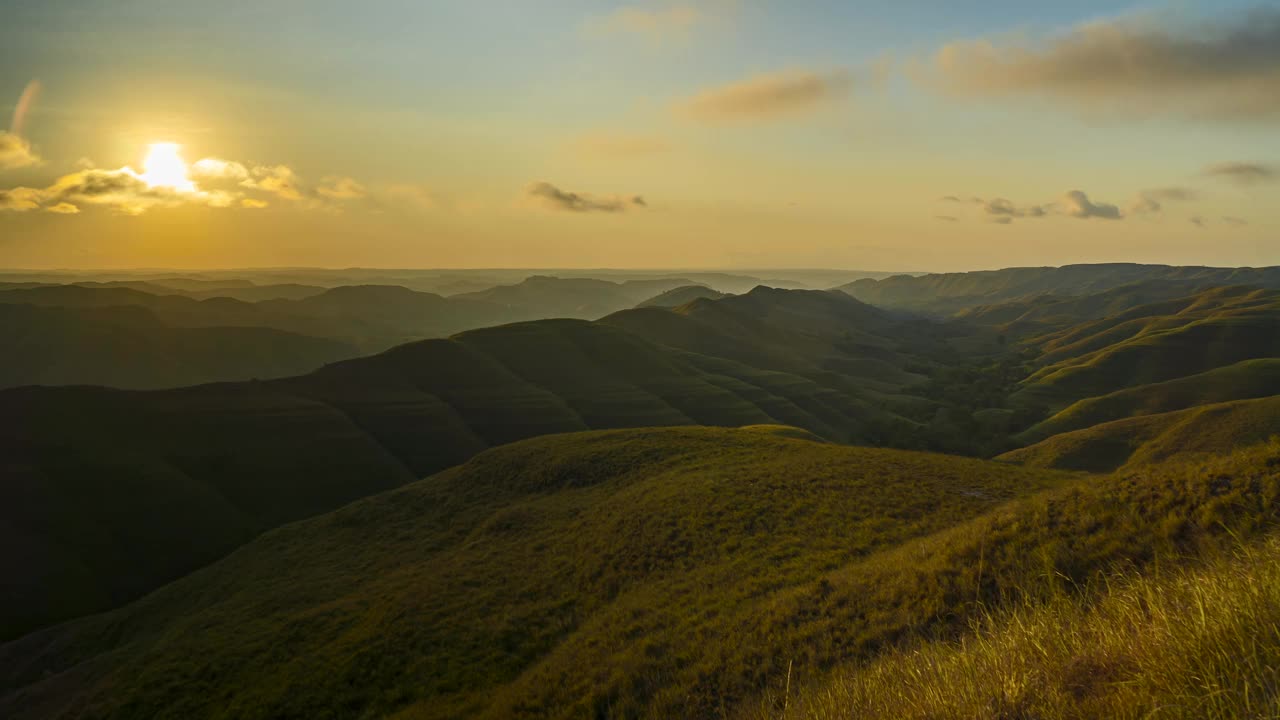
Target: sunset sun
{"points": [[165, 168]]}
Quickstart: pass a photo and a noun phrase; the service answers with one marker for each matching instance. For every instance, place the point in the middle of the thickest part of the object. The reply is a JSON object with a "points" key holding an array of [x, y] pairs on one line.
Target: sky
{"points": [[913, 135]]}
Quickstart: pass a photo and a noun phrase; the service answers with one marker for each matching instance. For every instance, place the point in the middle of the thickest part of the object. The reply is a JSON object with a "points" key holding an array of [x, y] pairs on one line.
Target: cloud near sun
{"points": [[166, 180]]}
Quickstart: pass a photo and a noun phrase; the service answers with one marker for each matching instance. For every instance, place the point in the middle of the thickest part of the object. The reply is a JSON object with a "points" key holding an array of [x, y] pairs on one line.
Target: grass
{"points": [[551, 577], [1205, 429], [628, 574], [1240, 381], [1197, 642]]}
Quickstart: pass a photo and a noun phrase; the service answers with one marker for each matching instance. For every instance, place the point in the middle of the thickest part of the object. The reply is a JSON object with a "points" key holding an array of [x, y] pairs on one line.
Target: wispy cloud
{"points": [[1152, 201], [1228, 68], [1002, 211], [16, 152], [767, 97], [341, 188], [546, 196], [1243, 173], [1078, 205]]}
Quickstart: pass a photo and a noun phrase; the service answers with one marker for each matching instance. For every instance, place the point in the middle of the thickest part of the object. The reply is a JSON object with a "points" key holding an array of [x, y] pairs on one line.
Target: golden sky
{"points": [[913, 135]]}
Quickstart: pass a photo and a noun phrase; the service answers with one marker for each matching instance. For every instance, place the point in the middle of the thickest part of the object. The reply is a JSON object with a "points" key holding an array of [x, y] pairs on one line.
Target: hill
{"points": [[642, 573], [1203, 636], [532, 555], [947, 293], [285, 449], [1213, 429], [681, 296], [1240, 381], [542, 296], [128, 347]]}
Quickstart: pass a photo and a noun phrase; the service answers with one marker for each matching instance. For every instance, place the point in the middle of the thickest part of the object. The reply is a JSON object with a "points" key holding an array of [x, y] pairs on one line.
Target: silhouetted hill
{"points": [[948, 293], [641, 573], [681, 296], [542, 296], [128, 347]]}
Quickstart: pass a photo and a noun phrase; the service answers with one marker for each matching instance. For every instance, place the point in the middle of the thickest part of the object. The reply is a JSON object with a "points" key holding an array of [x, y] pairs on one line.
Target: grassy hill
{"points": [[1217, 428], [1200, 641], [641, 573], [545, 556], [681, 296], [947, 293], [129, 347], [1240, 381], [286, 449], [1218, 329]]}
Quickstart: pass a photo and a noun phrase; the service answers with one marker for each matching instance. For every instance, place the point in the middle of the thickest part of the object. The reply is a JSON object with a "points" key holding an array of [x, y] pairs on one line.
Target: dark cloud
{"points": [[1078, 205], [767, 97], [550, 197], [1004, 211], [1243, 173], [1225, 69]]}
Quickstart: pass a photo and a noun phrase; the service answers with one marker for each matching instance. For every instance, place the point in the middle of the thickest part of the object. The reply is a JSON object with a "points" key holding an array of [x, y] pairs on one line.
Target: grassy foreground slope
{"points": [[643, 573], [1205, 429], [99, 486], [602, 573], [1199, 642]]}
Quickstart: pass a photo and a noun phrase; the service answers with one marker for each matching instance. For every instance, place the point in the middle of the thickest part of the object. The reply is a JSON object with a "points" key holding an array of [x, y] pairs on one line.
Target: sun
{"points": [[165, 168]]}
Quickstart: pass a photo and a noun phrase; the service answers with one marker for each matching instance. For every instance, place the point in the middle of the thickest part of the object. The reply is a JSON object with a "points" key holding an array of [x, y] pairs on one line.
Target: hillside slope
{"points": [[342, 432], [947, 293], [129, 347], [641, 573], [439, 594], [1212, 429]]}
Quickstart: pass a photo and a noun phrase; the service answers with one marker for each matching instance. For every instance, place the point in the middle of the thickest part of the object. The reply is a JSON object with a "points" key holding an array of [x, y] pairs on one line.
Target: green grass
{"points": [[1197, 642], [639, 573], [553, 577], [1204, 429], [1240, 381]]}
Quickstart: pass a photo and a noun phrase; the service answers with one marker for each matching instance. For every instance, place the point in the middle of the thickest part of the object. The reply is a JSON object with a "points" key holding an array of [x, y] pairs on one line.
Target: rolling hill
{"points": [[542, 296], [341, 432], [1208, 429], [528, 557], [129, 347], [681, 296], [638, 573], [947, 293]]}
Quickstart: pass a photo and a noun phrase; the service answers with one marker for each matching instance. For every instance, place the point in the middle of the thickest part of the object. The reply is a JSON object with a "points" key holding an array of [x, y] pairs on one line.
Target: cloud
{"points": [[1152, 201], [279, 180], [1002, 211], [946, 218], [549, 197], [1242, 173], [63, 208], [341, 188], [655, 24], [767, 97], [219, 169], [1225, 69], [1077, 204], [19, 199], [1235, 221], [253, 203], [1199, 221], [16, 152]]}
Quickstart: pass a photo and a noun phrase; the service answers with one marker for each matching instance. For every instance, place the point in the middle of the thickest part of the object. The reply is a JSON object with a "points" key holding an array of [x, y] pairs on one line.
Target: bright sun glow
{"points": [[165, 168]]}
